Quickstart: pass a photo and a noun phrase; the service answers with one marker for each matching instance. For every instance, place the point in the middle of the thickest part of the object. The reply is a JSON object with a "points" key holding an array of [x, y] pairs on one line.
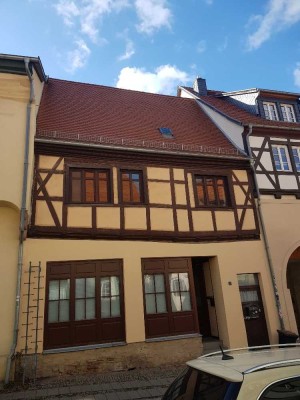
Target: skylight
{"points": [[166, 132]]}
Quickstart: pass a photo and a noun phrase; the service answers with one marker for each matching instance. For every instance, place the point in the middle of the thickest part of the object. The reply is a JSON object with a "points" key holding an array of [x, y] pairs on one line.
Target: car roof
{"points": [[246, 360]]}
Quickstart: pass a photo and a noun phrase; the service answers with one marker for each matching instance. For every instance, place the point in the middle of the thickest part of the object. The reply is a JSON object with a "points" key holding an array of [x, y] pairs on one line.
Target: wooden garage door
{"points": [[84, 303], [169, 297]]}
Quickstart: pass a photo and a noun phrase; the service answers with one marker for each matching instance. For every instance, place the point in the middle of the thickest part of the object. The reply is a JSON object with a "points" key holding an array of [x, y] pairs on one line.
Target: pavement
{"points": [[138, 384]]}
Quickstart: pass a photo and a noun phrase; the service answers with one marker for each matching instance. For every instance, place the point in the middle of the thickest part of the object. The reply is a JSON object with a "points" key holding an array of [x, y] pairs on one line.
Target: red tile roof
{"points": [[91, 112], [226, 107]]}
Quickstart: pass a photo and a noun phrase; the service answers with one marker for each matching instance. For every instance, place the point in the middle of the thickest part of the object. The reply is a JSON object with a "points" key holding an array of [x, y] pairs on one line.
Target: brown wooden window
{"points": [[132, 186], [84, 303], [89, 186], [169, 301], [211, 191]]}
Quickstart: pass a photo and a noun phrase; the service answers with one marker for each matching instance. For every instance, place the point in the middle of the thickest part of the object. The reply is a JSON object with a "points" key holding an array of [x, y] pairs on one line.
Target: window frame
{"points": [[73, 270], [82, 169], [279, 381], [267, 104], [142, 181], [285, 106], [287, 154], [215, 177], [297, 148]]}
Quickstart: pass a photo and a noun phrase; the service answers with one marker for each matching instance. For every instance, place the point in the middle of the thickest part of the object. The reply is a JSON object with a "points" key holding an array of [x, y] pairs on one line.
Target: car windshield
{"points": [[193, 384]]}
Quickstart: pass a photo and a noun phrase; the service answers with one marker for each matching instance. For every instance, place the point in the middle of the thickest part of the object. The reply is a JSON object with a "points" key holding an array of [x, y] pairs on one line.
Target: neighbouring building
{"points": [[266, 125], [143, 237], [21, 83]]}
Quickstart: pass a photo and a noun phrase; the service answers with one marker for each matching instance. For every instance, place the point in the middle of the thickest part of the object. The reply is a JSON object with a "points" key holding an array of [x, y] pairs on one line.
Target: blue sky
{"points": [[156, 45]]}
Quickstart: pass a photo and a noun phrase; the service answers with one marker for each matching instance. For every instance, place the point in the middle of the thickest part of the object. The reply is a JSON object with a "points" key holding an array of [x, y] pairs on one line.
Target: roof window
{"points": [[166, 132]]}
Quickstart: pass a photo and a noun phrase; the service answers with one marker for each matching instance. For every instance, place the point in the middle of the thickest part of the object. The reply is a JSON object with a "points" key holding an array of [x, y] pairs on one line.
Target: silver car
{"points": [[263, 373]]}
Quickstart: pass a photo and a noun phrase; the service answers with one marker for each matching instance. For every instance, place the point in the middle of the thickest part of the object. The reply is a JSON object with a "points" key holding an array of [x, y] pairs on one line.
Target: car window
{"points": [[198, 385], [287, 389]]}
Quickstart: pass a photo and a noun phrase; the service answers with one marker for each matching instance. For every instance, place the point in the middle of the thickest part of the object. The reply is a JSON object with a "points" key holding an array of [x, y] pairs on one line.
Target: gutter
{"points": [[264, 233], [22, 223], [136, 149]]}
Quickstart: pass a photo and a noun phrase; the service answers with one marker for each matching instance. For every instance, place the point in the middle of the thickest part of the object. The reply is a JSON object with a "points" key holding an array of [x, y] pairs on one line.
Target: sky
{"points": [[156, 45]]}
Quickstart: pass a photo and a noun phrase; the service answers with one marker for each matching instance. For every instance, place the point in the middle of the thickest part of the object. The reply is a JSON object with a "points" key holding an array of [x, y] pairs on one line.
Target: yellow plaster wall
{"points": [[135, 218], [159, 193], [108, 217], [239, 195], [191, 190], [158, 173], [225, 265], [55, 185], [225, 221], [183, 221], [180, 194], [178, 174], [80, 217], [48, 162], [161, 219], [241, 175], [202, 221], [43, 216], [249, 221], [9, 234]]}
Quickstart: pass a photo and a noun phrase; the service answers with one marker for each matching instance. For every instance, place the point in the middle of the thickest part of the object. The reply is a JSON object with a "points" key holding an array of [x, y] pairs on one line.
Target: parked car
{"points": [[254, 373]]}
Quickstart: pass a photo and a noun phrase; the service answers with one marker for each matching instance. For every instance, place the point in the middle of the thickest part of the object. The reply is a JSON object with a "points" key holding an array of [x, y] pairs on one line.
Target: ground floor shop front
{"points": [[107, 305]]}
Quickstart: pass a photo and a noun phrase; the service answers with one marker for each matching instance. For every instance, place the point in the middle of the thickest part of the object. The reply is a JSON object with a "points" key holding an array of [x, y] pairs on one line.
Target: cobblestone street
{"points": [[126, 385]]}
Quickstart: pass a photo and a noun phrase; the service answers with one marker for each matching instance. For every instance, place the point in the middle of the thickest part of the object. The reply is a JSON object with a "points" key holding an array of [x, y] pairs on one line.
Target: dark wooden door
{"points": [[253, 310]]}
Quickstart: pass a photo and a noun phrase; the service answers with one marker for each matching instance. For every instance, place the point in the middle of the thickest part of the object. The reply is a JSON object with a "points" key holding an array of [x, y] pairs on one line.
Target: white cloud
{"points": [[88, 13], [68, 10], [129, 51], [224, 45], [280, 14], [153, 15], [201, 46], [164, 80], [78, 57], [296, 74]]}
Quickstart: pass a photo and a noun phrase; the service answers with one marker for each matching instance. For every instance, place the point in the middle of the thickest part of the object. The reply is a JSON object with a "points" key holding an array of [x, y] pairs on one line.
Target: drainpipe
{"points": [[22, 224], [264, 233]]}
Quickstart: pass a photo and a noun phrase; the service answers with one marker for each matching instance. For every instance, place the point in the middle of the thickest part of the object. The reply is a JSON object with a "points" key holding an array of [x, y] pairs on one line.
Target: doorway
{"points": [[205, 301], [293, 283], [253, 310]]}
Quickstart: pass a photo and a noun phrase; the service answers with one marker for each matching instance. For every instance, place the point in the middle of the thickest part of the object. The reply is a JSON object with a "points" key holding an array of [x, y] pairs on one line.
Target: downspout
{"points": [[264, 233], [22, 224]]}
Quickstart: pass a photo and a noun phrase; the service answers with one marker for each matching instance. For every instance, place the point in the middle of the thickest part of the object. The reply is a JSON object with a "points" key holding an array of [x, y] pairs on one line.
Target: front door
{"points": [[253, 310]]}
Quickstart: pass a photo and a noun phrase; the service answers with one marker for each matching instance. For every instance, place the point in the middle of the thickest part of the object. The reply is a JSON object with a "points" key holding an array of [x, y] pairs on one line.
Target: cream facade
{"points": [[14, 106]]}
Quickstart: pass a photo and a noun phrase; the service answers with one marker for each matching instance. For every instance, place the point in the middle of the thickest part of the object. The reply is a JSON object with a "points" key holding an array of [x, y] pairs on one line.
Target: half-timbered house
{"points": [[143, 236], [266, 125]]}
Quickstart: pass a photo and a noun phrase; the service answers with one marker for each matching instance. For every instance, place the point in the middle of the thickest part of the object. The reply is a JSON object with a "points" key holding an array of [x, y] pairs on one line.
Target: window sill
{"points": [[178, 337], [82, 348]]}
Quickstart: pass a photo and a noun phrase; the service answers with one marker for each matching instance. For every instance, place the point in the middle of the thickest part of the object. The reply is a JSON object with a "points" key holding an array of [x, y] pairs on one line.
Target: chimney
{"points": [[200, 86]]}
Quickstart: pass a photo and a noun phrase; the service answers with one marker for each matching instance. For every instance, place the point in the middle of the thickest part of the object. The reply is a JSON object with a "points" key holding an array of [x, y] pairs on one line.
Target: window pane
{"points": [[90, 308], [161, 303], [136, 192], [159, 283], [64, 310], [174, 282], [200, 191], [76, 174], [105, 286], [89, 175], [90, 287], [211, 195], [53, 311], [79, 310], [149, 283], [64, 293], [89, 191], [186, 301], [76, 190], [53, 290], [150, 304], [249, 295], [175, 301], [247, 279], [221, 195], [184, 281], [115, 306], [105, 307], [103, 191], [80, 288], [126, 191], [114, 281]]}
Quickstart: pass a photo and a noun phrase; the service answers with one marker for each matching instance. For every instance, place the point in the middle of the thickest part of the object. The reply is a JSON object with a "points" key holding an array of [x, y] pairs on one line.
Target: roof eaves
{"points": [[36, 61]]}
